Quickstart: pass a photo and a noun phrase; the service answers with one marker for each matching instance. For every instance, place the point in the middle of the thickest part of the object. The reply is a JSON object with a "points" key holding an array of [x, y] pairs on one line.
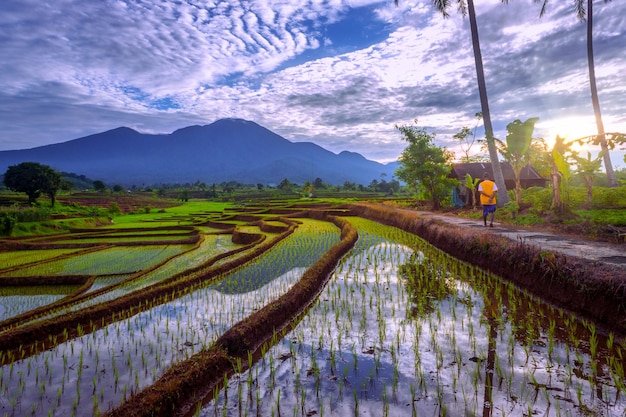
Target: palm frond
{"points": [[442, 7], [544, 7], [581, 13], [462, 7]]}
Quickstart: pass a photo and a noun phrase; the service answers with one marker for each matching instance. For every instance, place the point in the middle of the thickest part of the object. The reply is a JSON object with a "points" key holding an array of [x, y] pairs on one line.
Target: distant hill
{"points": [[226, 150]]}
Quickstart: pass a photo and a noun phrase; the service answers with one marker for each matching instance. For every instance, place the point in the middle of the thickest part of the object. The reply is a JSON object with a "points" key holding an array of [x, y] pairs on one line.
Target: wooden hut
{"points": [[529, 177]]}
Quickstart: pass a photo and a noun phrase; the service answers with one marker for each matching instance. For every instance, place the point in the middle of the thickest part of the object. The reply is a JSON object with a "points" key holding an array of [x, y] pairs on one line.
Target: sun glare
{"points": [[570, 128]]}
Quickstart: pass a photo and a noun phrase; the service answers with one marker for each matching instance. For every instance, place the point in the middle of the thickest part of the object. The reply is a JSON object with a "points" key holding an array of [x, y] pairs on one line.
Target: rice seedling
{"points": [[168, 333], [396, 313], [384, 350]]}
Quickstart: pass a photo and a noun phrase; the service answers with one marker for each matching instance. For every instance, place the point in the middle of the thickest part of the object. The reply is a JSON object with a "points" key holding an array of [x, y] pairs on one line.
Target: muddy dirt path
{"points": [[614, 254]]}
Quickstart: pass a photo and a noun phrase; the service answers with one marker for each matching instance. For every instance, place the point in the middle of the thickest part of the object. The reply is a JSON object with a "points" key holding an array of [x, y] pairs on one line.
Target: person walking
{"points": [[488, 190]]}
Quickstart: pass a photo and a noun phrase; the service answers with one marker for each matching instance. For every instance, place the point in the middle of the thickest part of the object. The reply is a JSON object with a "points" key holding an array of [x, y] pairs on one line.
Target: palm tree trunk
{"points": [[518, 188], [608, 166], [503, 197]]}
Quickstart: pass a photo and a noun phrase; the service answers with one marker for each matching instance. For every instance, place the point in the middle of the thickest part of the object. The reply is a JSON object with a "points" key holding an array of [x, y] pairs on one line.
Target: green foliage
{"points": [[518, 139], [425, 166], [609, 197], [285, 184], [511, 207], [99, 186], [8, 221], [33, 179], [519, 136], [470, 185], [540, 199], [605, 216], [30, 214], [540, 157], [561, 171], [561, 165], [466, 138], [114, 209], [608, 205], [184, 195], [588, 168]]}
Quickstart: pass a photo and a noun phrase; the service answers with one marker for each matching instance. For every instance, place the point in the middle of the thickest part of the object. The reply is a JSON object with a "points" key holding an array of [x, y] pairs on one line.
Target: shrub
{"points": [[511, 207], [30, 214], [8, 221], [114, 209], [540, 199], [604, 197]]}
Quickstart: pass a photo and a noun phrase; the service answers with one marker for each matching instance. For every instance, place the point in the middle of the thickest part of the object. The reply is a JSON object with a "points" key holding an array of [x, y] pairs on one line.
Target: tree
{"points": [[66, 186], [284, 185], [466, 138], [470, 186], [587, 15], [183, 195], [560, 174], [425, 165], [349, 186], [467, 7], [117, 188], [33, 179], [518, 139], [540, 157], [588, 168], [99, 186]]}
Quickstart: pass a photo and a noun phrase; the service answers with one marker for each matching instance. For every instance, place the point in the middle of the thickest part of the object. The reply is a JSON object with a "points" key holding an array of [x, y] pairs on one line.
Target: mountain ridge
{"points": [[225, 150]]}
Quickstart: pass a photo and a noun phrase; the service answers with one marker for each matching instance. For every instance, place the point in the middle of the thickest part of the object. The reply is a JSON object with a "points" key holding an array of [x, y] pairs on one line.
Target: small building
{"points": [[529, 177]]}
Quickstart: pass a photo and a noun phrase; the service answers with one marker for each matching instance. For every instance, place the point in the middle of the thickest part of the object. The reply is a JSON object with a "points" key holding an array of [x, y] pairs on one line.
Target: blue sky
{"points": [[338, 73]]}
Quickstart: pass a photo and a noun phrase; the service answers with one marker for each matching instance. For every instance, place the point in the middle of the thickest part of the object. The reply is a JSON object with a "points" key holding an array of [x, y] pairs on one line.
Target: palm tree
{"points": [[601, 138], [467, 7]]}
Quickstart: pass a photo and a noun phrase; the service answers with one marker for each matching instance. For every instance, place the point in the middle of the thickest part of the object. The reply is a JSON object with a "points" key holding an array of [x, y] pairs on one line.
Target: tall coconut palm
{"points": [[467, 7], [587, 15]]}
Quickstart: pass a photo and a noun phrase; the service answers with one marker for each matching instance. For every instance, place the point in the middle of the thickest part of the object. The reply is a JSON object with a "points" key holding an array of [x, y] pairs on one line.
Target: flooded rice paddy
{"points": [[404, 330], [98, 371], [401, 329]]}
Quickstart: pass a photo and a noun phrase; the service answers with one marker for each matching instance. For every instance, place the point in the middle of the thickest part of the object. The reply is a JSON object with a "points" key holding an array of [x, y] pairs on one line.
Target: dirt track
{"points": [[614, 254]]}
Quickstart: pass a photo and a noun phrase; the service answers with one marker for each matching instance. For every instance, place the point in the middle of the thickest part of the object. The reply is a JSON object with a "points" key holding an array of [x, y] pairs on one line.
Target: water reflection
{"points": [[403, 329]]}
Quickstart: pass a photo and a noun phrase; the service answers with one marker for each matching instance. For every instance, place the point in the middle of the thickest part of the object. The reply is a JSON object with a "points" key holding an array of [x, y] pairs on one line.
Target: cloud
{"points": [[340, 73]]}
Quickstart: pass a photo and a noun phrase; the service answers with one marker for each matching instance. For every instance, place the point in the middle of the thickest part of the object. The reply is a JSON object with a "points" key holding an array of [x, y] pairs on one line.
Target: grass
{"points": [[615, 217], [17, 258]]}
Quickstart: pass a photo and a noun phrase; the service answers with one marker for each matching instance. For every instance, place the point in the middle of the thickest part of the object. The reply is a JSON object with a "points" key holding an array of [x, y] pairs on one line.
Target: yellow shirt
{"points": [[488, 187]]}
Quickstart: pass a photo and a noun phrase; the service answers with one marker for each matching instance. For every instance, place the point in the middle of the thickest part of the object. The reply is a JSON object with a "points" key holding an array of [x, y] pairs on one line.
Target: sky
{"points": [[340, 73]]}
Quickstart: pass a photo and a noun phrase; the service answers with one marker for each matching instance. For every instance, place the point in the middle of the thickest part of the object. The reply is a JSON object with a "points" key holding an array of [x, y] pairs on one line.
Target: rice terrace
{"points": [[303, 308]]}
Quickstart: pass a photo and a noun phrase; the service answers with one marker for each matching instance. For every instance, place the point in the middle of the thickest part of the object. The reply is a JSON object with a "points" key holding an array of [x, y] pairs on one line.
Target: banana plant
{"points": [[588, 168], [518, 139], [561, 174], [470, 185]]}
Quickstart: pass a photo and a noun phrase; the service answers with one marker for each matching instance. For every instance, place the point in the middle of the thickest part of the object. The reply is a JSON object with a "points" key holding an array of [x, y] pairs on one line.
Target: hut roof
{"points": [[478, 169]]}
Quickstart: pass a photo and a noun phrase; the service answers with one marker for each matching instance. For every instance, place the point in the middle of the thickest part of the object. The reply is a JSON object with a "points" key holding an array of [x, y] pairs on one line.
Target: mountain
{"points": [[226, 150]]}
